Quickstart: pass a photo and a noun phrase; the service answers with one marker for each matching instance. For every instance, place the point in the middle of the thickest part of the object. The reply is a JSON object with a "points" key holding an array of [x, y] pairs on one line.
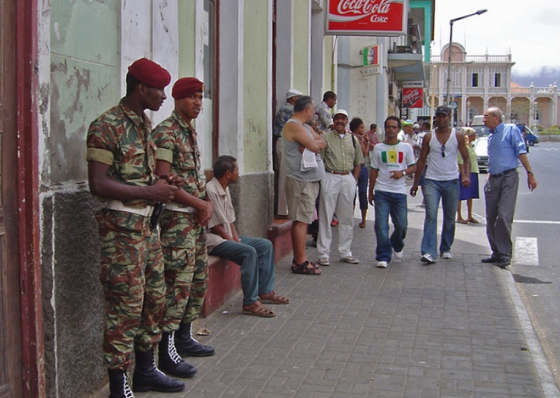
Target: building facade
{"points": [[64, 63], [480, 81]]}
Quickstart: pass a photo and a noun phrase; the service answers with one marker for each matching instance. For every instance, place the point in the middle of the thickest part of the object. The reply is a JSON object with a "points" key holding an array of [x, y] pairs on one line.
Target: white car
{"points": [[480, 147]]}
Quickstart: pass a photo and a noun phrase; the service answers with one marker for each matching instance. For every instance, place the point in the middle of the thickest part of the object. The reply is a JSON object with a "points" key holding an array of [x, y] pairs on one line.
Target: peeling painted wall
{"points": [[84, 44]]}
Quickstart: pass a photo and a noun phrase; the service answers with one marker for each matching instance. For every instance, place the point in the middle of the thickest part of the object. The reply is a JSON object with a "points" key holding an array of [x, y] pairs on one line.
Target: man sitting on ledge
{"points": [[254, 255]]}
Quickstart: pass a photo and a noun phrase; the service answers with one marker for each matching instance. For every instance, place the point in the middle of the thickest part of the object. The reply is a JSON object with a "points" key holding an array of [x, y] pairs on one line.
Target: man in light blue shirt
{"points": [[505, 149]]}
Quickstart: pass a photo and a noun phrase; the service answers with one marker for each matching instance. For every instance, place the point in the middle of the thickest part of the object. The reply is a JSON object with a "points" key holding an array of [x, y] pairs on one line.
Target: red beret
{"points": [[186, 86], [150, 73]]}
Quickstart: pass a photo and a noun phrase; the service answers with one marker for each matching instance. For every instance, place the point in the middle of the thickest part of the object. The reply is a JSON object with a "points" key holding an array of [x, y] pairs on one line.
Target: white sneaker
{"points": [[427, 258], [446, 255], [382, 264], [399, 255]]}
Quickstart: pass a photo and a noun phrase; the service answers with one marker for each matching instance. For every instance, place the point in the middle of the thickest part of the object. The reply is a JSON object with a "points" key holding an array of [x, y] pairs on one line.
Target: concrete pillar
{"points": [[317, 54], [284, 49], [230, 80]]}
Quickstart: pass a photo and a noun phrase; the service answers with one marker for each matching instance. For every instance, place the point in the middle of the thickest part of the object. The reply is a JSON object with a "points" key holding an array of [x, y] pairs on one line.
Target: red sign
{"points": [[412, 97], [366, 17]]}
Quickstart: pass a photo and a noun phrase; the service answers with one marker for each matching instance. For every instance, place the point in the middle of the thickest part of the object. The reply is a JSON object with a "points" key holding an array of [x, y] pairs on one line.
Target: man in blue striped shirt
{"points": [[505, 149]]}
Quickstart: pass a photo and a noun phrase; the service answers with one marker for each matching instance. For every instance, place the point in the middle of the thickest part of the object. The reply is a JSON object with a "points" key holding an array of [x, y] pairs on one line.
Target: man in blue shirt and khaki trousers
{"points": [[505, 148]]}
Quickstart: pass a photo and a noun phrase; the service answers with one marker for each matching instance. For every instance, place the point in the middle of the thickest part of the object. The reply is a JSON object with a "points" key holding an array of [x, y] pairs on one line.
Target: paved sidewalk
{"points": [[446, 330]]}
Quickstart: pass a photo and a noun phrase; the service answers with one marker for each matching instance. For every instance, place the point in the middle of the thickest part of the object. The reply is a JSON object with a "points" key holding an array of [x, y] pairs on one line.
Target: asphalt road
{"points": [[536, 235]]}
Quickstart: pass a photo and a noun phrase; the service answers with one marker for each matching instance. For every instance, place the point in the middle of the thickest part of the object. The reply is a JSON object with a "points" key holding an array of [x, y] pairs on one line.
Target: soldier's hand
{"points": [[163, 192], [172, 179], [204, 213]]}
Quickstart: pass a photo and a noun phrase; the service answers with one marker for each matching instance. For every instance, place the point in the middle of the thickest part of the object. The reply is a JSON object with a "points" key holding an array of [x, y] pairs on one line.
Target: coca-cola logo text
{"points": [[366, 7], [411, 95]]}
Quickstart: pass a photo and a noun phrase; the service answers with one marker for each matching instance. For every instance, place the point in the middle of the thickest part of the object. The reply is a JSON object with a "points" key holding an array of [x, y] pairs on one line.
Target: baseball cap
{"points": [[293, 93], [406, 122], [443, 109], [341, 112]]}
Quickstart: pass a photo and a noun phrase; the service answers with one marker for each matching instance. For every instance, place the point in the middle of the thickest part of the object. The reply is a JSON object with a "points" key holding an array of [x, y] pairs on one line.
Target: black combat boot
{"points": [[189, 347], [148, 377], [169, 361], [118, 384]]}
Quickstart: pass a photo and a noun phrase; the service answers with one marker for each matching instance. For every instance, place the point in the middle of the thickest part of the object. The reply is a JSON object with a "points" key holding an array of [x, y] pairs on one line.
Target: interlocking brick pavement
{"points": [[447, 330]]}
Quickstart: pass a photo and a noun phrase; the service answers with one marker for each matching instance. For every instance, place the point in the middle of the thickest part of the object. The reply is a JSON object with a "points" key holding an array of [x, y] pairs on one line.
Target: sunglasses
{"points": [[443, 151]]}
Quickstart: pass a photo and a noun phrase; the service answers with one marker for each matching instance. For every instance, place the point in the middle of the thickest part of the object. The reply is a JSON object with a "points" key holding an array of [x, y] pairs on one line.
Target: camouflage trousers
{"points": [[132, 277], [186, 268]]}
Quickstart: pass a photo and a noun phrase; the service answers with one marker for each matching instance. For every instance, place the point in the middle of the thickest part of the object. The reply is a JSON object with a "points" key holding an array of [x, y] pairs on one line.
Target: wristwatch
{"points": [[404, 173], [530, 172]]}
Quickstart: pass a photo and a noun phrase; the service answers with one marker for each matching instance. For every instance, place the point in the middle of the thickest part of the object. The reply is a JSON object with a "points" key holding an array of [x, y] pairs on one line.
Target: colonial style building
{"points": [[481, 81]]}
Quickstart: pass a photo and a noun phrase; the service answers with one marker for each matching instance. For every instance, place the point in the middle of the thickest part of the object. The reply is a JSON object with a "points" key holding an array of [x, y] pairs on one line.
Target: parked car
{"points": [[480, 147], [481, 131], [529, 137]]}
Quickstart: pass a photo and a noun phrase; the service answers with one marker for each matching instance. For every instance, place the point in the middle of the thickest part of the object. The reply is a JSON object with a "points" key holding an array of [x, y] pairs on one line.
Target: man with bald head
{"points": [[506, 148]]}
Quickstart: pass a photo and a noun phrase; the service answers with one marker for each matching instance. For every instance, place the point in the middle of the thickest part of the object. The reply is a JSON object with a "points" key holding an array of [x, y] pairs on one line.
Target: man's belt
{"points": [[119, 206], [342, 173], [504, 173], [179, 208]]}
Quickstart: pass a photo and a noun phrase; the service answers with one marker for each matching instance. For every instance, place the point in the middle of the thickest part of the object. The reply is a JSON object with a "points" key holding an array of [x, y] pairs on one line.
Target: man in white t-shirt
{"points": [[391, 161], [439, 149]]}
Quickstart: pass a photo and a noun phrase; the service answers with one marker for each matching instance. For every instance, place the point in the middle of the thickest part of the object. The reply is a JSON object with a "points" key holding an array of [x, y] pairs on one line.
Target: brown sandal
{"points": [[305, 268], [473, 220], [273, 298], [257, 309]]}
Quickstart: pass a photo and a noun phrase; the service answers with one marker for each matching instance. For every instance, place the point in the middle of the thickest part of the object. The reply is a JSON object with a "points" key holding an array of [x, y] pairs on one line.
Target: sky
{"points": [[529, 29]]}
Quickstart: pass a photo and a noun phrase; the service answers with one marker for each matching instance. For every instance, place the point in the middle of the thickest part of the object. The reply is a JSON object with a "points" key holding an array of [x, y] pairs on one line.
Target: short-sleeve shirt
{"points": [[391, 157], [122, 140], [177, 144], [325, 118], [283, 115], [341, 153], [472, 158], [223, 214]]}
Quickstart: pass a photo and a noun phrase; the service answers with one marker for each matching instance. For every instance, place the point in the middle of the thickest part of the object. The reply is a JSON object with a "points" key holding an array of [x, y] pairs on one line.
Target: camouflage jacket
{"points": [[177, 144], [122, 140]]}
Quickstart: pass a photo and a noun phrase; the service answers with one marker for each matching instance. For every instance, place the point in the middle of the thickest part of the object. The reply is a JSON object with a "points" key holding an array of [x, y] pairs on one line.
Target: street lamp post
{"points": [[449, 49]]}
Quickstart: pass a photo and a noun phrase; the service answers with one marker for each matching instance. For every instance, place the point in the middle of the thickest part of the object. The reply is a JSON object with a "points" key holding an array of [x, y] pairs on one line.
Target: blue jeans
{"points": [[256, 258], [448, 192], [394, 204], [362, 188]]}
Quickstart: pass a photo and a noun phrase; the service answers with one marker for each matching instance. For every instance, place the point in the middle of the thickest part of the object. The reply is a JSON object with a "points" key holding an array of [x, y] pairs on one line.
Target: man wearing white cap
{"points": [[283, 115], [342, 158]]}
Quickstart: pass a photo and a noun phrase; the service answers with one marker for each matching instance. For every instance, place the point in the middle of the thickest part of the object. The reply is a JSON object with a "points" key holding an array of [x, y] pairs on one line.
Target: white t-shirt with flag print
{"points": [[387, 158]]}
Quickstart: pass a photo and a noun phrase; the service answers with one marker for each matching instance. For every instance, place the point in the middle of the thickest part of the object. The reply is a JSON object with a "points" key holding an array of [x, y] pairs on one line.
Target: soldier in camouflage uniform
{"points": [[121, 165], [183, 229]]}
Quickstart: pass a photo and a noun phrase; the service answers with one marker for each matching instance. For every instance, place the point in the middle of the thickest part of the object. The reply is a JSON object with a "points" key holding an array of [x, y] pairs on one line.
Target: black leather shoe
{"points": [[187, 346], [490, 260], [504, 262], [147, 377]]}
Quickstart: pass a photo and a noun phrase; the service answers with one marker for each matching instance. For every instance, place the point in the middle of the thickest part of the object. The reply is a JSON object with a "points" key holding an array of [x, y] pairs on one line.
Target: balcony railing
{"points": [[478, 58]]}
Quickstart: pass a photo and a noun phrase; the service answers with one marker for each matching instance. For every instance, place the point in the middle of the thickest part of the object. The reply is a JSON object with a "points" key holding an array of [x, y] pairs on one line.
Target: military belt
{"points": [[119, 206], [179, 208]]}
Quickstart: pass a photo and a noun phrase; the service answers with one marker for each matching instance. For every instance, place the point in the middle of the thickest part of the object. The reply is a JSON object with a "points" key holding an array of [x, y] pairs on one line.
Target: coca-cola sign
{"points": [[366, 17], [412, 97]]}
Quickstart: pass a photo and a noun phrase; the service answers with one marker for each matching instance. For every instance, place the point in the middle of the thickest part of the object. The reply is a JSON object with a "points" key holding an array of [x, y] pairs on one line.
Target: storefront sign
{"points": [[366, 17], [412, 97]]}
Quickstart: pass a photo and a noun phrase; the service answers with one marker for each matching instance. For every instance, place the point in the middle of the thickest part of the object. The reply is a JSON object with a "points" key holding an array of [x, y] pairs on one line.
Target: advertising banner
{"points": [[412, 97], [366, 17]]}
